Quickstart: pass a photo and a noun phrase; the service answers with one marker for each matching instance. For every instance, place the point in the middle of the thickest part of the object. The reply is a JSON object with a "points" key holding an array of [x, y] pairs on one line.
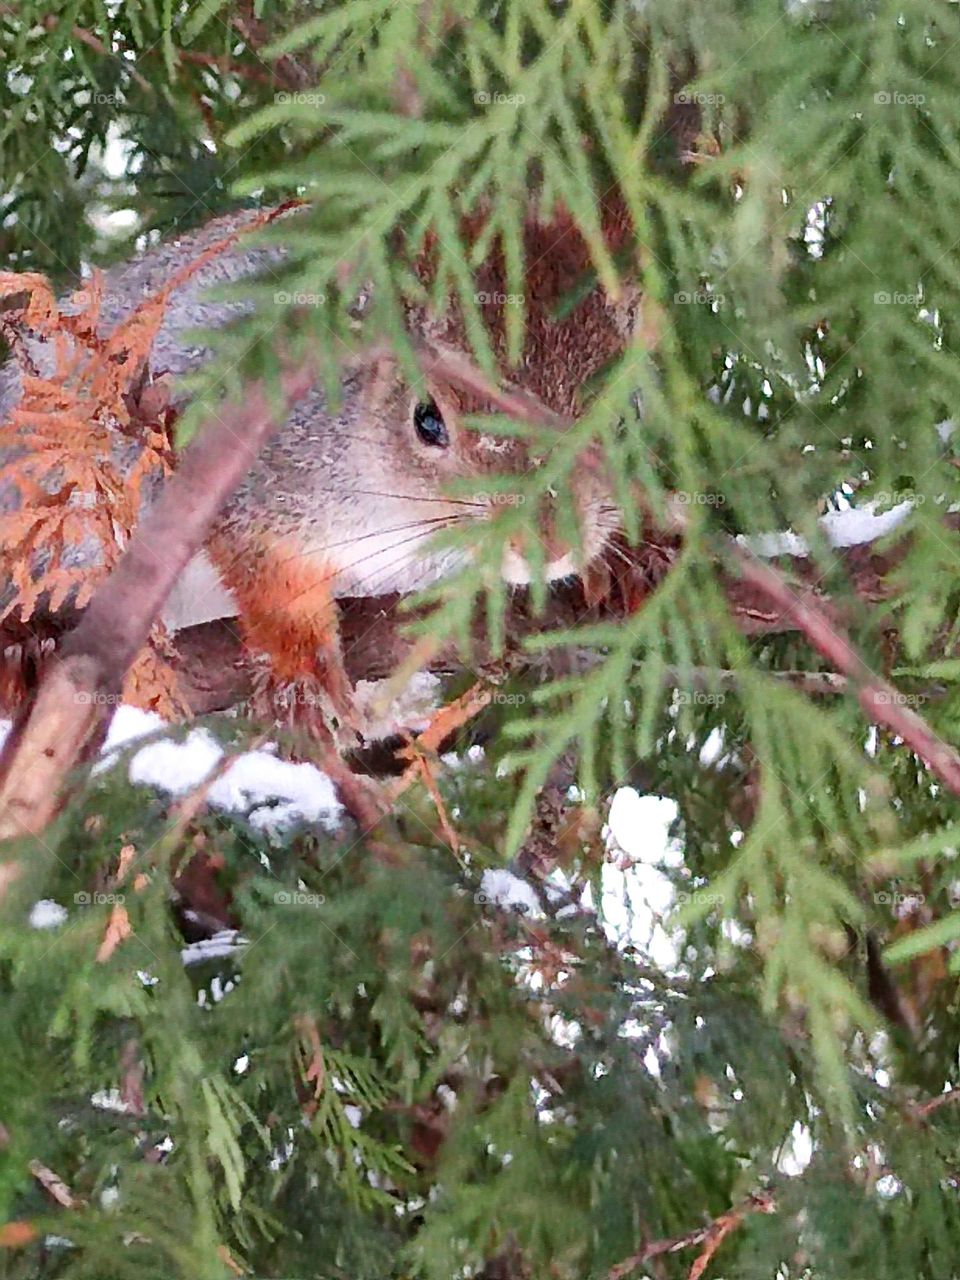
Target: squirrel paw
{"points": [[314, 704]]}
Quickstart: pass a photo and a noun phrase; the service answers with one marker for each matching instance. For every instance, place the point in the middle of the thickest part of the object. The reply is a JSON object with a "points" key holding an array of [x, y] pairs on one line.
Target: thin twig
{"points": [[459, 370], [705, 679], [224, 65], [924, 1109], [51, 21], [711, 1237], [882, 703], [447, 720]]}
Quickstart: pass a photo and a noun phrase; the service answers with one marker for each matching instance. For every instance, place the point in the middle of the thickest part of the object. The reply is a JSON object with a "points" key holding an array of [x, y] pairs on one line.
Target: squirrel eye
{"points": [[430, 425]]}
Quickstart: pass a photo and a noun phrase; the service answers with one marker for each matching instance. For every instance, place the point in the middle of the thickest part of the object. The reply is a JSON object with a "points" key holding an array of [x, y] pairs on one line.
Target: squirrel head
{"points": [[401, 465], [365, 488]]}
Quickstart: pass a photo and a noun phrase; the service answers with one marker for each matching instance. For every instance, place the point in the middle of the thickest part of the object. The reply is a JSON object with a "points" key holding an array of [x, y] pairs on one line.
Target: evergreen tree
{"points": [[386, 1071]]}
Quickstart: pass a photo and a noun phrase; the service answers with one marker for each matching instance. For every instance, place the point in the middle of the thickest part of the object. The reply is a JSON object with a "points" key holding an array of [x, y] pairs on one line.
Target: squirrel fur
{"points": [[345, 503]]}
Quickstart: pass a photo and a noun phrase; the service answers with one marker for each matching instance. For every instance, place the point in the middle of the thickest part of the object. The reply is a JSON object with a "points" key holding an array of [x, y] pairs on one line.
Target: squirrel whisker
{"points": [[401, 542], [353, 538], [341, 569], [410, 497]]}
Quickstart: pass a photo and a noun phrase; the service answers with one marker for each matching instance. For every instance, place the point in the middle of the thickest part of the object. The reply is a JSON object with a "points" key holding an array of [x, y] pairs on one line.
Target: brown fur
{"points": [[560, 356], [346, 503]]}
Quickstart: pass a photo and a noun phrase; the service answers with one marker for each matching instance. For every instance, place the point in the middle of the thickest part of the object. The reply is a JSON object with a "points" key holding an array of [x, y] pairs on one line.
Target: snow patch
{"points": [[277, 793], [507, 890], [274, 793], [850, 528], [47, 914], [637, 895], [225, 943]]}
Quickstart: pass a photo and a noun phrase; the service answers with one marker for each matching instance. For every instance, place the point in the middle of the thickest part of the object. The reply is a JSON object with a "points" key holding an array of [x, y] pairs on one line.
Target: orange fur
{"points": [[286, 602], [288, 612]]}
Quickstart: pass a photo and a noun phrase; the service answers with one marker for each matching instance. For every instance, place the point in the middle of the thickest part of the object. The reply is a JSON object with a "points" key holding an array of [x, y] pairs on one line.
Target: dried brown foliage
{"points": [[62, 442], [77, 452]]}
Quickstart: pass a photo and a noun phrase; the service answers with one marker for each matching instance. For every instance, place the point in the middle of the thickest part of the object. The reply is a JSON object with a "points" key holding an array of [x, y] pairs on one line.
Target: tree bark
{"points": [[65, 720]]}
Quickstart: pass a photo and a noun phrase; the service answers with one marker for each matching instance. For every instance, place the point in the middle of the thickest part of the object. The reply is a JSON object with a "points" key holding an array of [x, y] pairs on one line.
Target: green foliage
{"points": [[620, 1102], [800, 280]]}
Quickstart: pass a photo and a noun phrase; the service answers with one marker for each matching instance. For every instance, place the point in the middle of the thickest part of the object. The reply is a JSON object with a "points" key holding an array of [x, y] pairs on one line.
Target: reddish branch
{"points": [[881, 702], [51, 21], [711, 1237], [65, 721], [224, 65], [293, 72], [213, 673], [925, 1109]]}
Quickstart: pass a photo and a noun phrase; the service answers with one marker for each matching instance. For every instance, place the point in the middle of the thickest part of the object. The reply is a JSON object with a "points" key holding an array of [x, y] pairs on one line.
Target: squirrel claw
{"points": [[321, 707]]}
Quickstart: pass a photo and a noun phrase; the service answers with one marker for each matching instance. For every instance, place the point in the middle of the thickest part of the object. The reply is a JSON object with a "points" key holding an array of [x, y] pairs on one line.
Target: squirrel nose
{"points": [[557, 552], [560, 563], [553, 544]]}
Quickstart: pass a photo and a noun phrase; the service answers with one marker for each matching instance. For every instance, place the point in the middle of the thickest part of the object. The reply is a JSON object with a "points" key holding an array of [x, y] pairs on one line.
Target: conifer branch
{"points": [[457, 368], [711, 1237], [882, 703], [64, 723]]}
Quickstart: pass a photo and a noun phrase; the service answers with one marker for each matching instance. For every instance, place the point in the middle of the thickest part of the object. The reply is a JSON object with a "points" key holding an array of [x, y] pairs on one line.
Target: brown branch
{"points": [[709, 679], [294, 73], [53, 1185], [365, 802], [64, 723], [214, 672], [131, 1077], [459, 370], [711, 1237], [51, 21], [924, 1109], [881, 702], [224, 65]]}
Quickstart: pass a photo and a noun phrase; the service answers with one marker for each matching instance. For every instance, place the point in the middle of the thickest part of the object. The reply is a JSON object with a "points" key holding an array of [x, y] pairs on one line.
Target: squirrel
{"points": [[345, 503]]}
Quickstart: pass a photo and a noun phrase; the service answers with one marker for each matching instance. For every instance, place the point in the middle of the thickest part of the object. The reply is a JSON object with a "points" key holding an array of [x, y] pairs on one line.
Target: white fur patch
{"points": [[198, 596], [516, 570]]}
